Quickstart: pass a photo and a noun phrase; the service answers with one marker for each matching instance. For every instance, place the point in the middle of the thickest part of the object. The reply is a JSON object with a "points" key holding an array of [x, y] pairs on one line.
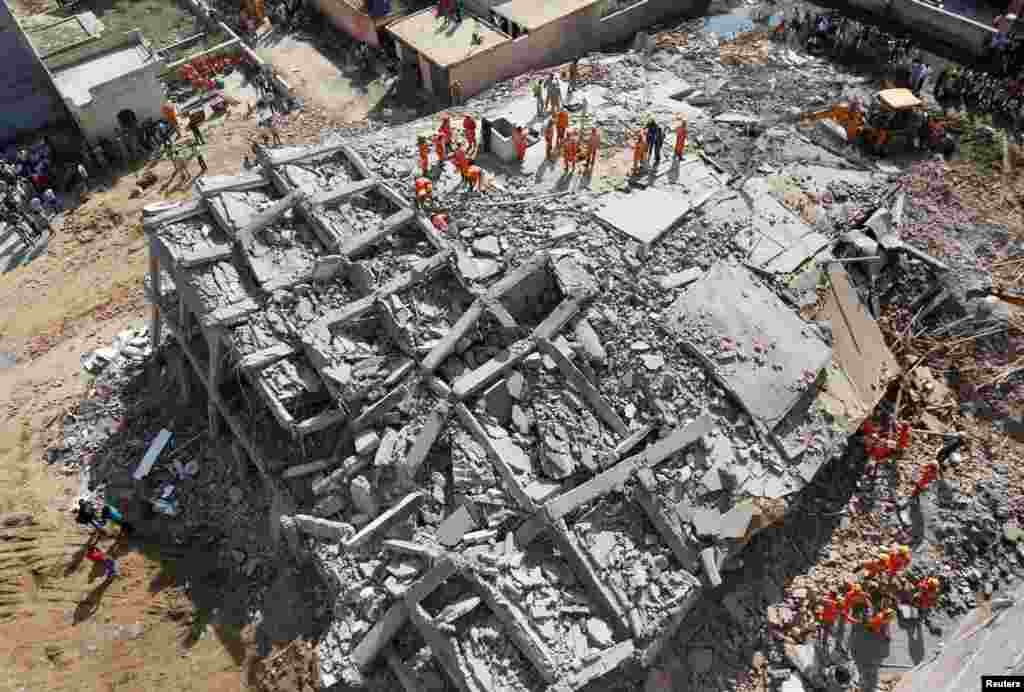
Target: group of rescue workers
{"points": [[883, 582]]}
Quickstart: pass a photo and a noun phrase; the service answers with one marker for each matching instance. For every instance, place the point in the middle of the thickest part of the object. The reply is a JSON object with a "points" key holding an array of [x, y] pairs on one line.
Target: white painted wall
{"points": [[140, 91]]}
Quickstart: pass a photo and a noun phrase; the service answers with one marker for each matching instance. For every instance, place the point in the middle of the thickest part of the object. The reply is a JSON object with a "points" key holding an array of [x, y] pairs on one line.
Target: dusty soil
{"points": [[61, 628]]}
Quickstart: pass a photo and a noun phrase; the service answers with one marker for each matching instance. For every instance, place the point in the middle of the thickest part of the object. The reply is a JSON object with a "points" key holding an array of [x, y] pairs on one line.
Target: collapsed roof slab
{"points": [[754, 343], [194, 239], [208, 186], [773, 238], [218, 294], [647, 215]]}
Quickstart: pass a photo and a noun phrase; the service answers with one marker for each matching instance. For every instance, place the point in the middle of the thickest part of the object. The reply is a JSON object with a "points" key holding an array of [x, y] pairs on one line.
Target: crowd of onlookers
{"points": [[26, 188]]}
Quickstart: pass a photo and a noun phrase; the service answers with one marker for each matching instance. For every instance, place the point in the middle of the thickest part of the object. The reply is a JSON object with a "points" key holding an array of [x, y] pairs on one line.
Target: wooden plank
{"points": [[597, 402]]}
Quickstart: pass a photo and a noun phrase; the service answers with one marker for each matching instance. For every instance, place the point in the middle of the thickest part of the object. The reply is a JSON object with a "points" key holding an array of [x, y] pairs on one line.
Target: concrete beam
{"points": [[376, 528], [380, 635], [666, 521], [526, 639], [322, 528], [558, 318], [322, 421], [406, 676], [425, 439], [154, 280], [709, 561], [610, 659], [388, 226], [671, 625], [312, 467], [428, 583], [569, 546], [340, 194], [590, 490], [443, 649], [371, 415], [677, 440], [411, 548], [476, 380], [601, 407], [508, 477], [268, 216], [446, 345], [284, 418], [340, 478]]}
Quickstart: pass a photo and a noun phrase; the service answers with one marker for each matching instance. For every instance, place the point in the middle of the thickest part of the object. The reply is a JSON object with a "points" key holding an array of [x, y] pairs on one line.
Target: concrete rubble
{"points": [[518, 452]]}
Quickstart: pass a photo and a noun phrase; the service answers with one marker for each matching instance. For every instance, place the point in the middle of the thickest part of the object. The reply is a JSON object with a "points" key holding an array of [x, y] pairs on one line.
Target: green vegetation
{"points": [[981, 143]]}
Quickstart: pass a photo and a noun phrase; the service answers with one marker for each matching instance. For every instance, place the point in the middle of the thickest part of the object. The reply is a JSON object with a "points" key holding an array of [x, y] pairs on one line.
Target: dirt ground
{"points": [[60, 627]]}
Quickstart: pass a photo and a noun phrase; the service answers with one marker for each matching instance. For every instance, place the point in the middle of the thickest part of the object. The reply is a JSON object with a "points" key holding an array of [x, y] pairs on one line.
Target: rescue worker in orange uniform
{"points": [[898, 559], [561, 125], [681, 132], [873, 568], [929, 472], [469, 127], [424, 148], [461, 160], [828, 614], [856, 604], [170, 114], [880, 621], [474, 177], [522, 142], [445, 130], [549, 137], [571, 149], [440, 221], [927, 594], [424, 192], [595, 144], [439, 147], [639, 150]]}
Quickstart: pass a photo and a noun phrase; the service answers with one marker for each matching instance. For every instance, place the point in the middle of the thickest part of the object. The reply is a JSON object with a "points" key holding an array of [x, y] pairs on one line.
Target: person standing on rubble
{"points": [[519, 139], [554, 94], [681, 132], [424, 192], [570, 152], [538, 93], [659, 143], [461, 161], [549, 138], [574, 75], [85, 515], [639, 148], [469, 129], [198, 153], [652, 138], [561, 125], [423, 145], [595, 145], [94, 554]]}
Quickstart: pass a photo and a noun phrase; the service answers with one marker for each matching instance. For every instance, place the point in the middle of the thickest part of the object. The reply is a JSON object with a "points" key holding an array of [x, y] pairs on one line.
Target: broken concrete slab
{"points": [[728, 312], [772, 237], [647, 215], [454, 527], [679, 279]]}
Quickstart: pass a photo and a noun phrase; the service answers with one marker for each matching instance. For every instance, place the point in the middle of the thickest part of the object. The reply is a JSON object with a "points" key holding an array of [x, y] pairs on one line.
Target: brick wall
{"points": [[358, 25]]}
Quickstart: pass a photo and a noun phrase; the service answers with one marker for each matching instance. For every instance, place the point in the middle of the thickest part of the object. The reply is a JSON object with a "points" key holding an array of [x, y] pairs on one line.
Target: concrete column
{"points": [[216, 351], [154, 274]]}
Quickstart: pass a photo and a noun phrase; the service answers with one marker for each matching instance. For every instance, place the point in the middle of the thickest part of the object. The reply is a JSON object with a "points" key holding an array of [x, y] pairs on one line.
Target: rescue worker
{"points": [[538, 93], [571, 150], [424, 148], [898, 559], [574, 75], [658, 145], [170, 114], [469, 128], [880, 621], [639, 148], [856, 604], [424, 192], [445, 130], [439, 147], [681, 132], [828, 614], [929, 472], [474, 177], [876, 567], [96, 555], [549, 136], [440, 221], [519, 140], [554, 93], [461, 161], [456, 93], [652, 138], [561, 125], [595, 144], [927, 594]]}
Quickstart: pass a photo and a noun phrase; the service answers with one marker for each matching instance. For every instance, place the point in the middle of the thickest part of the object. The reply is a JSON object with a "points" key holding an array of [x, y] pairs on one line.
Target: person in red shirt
{"points": [[96, 555], [549, 137], [561, 125], [681, 131], [445, 130], [880, 622], [469, 127], [424, 148], [927, 594], [856, 604], [898, 559], [929, 472], [828, 614], [461, 161], [424, 192], [520, 141], [570, 152]]}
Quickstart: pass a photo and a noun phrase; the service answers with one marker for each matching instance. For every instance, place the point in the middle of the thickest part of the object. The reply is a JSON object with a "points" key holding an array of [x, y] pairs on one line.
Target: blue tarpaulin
{"points": [[379, 8]]}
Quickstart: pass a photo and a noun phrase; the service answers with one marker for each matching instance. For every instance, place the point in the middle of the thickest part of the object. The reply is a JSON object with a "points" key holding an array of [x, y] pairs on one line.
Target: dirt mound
{"points": [[292, 669]]}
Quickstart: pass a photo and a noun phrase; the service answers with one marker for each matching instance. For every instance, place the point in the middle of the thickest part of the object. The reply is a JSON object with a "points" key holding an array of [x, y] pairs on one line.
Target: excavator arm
{"points": [[851, 120]]}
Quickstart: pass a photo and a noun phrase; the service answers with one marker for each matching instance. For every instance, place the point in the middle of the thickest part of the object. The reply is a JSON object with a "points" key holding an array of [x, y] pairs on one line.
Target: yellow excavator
{"points": [[893, 115]]}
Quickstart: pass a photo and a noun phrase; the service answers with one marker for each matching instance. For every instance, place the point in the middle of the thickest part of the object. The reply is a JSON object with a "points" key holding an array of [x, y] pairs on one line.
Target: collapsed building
{"points": [[439, 437]]}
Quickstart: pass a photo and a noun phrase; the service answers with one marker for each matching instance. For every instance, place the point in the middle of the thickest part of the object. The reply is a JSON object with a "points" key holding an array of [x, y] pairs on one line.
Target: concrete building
{"points": [[113, 85], [30, 100], [517, 36]]}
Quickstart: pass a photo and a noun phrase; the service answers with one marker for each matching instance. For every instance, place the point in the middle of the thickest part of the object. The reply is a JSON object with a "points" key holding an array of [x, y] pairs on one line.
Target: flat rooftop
{"points": [[76, 81], [50, 34], [445, 45], [532, 15]]}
